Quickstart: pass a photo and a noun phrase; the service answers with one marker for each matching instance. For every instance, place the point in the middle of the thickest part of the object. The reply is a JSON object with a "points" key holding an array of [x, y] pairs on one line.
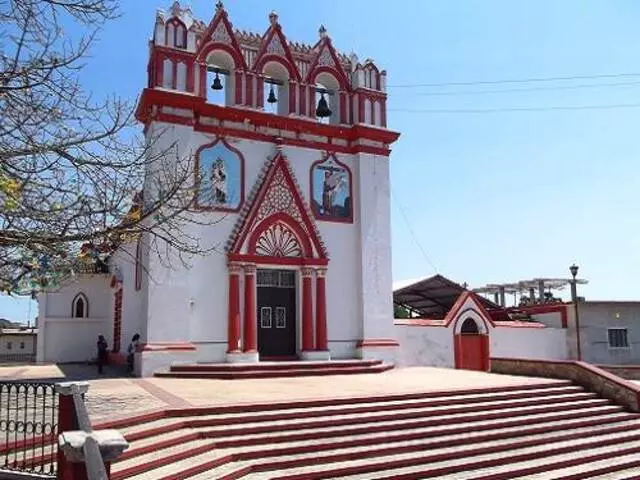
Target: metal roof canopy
{"points": [[433, 296]]}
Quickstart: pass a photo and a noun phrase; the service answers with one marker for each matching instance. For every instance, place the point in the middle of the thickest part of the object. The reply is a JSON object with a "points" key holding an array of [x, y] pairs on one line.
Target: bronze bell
{"points": [[323, 109], [272, 96], [217, 84]]}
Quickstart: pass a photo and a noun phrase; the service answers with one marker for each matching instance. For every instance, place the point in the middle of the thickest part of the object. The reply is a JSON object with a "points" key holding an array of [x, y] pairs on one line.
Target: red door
{"points": [[472, 352]]}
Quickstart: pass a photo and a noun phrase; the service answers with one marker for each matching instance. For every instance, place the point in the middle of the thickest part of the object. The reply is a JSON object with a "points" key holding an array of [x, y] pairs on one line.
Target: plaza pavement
{"points": [[115, 394]]}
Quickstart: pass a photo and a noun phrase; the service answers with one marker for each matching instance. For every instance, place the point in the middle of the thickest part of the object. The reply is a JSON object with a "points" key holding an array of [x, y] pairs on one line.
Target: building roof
{"points": [[433, 297]]}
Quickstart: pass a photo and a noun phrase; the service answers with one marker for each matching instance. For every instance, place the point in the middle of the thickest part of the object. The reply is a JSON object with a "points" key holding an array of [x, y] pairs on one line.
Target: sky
{"points": [[488, 185]]}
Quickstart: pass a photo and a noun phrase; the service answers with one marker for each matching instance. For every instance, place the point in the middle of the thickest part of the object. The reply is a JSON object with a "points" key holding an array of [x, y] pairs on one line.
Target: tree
{"points": [[401, 312], [72, 168]]}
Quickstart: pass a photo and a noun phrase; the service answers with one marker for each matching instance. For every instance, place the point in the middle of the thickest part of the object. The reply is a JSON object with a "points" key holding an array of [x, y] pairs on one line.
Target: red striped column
{"points": [[321, 309], [307, 310], [343, 107], [260, 92], [249, 89], [292, 97], [250, 327], [233, 328]]}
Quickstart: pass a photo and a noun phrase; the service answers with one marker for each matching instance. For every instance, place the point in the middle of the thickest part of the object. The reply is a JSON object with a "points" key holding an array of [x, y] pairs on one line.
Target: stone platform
{"points": [[284, 369]]}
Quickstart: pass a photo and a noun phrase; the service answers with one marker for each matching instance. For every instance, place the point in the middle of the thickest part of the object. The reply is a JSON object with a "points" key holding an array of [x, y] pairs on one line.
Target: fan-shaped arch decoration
{"points": [[278, 241]]}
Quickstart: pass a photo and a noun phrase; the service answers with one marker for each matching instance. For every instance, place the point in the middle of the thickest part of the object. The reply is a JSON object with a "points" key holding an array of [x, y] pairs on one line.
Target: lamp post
{"points": [[574, 298]]}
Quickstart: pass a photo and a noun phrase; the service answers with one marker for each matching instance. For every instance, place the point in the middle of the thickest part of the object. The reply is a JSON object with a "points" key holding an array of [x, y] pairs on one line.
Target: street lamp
{"points": [[574, 298]]}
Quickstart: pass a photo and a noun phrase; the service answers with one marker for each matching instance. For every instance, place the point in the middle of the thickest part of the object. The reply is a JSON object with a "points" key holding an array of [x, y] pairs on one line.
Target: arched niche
{"points": [[175, 33], [277, 78], [222, 61], [80, 306], [325, 80], [470, 315]]}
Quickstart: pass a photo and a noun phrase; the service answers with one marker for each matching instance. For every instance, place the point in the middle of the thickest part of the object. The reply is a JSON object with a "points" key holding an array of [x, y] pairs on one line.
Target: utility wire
{"points": [[517, 90], [518, 109], [515, 80], [413, 235]]}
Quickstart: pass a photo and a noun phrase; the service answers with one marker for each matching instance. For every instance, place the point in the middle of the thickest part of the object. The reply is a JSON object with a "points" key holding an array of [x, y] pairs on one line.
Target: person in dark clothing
{"points": [[102, 352]]}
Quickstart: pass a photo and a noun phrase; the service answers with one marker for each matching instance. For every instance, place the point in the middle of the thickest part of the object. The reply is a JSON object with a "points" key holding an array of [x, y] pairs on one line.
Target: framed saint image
{"points": [[331, 195], [219, 177]]}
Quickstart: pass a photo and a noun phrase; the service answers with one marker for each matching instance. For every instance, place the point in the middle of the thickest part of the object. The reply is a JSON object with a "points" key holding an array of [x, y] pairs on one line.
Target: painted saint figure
{"points": [[219, 182], [333, 183]]}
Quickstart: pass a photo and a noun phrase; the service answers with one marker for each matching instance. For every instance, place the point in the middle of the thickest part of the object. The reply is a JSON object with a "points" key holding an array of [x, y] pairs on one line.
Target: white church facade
{"points": [[296, 205], [291, 170]]}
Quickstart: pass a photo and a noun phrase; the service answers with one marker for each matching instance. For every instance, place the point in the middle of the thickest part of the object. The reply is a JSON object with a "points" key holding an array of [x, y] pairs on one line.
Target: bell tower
{"points": [[290, 151]]}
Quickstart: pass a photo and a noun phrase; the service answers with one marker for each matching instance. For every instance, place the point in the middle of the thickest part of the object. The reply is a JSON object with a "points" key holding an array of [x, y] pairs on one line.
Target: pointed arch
{"points": [[80, 306], [175, 33], [276, 231], [275, 48]]}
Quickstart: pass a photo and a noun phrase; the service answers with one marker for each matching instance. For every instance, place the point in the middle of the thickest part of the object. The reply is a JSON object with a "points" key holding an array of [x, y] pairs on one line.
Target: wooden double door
{"points": [[276, 314]]}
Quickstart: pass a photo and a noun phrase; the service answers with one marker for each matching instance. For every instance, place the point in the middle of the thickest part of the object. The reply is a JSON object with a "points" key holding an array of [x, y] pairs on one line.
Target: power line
{"points": [[413, 235], [518, 109], [517, 90], [515, 80]]}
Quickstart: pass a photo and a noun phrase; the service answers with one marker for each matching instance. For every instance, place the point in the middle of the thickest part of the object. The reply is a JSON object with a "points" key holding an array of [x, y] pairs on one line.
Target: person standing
{"points": [[133, 347], [102, 352]]}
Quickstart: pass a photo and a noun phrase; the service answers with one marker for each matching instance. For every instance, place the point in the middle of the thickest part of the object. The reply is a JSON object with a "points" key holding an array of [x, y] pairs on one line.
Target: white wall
{"points": [[535, 343], [421, 345], [16, 339], [62, 338], [190, 304], [73, 339]]}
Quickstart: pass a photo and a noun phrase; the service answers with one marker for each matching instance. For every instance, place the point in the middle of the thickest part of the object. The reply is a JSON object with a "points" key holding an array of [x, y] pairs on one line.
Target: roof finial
{"points": [[219, 5], [273, 18], [322, 31]]}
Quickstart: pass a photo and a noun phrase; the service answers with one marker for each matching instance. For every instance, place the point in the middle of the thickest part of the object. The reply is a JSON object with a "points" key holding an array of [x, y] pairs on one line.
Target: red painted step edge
{"points": [[239, 367], [471, 465], [255, 407], [259, 373], [434, 420]]}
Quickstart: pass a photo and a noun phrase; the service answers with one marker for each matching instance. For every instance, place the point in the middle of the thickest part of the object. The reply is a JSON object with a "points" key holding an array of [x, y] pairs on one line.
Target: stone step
{"points": [[506, 463], [620, 468], [336, 438], [296, 365], [284, 444], [422, 417], [437, 404], [458, 446], [277, 373]]}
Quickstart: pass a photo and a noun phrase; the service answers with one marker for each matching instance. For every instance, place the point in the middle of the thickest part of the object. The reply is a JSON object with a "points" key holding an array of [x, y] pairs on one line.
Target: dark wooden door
{"points": [[276, 314]]}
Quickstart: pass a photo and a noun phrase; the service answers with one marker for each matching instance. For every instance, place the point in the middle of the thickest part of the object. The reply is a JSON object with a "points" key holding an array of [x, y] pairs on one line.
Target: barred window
{"points": [[618, 338]]}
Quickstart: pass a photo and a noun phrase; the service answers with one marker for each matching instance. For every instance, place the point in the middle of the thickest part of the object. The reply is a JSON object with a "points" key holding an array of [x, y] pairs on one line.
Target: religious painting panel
{"points": [[331, 191], [220, 177]]}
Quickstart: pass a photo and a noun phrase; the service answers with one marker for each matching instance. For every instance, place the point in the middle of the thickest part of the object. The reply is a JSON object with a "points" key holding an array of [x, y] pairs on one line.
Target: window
{"points": [[265, 317], [9, 345], [469, 326], [21, 345], [281, 317], [80, 306], [618, 338]]}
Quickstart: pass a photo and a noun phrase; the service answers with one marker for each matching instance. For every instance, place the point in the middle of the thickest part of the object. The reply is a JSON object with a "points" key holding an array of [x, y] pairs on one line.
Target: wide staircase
{"points": [[237, 371], [547, 430]]}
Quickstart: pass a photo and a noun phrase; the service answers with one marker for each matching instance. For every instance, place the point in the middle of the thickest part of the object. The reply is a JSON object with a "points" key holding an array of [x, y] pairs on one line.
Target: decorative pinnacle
{"points": [[273, 18], [219, 5], [322, 31]]}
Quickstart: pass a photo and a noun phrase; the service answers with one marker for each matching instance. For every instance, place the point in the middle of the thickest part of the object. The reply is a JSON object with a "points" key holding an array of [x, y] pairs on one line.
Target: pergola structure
{"points": [[433, 297], [544, 287]]}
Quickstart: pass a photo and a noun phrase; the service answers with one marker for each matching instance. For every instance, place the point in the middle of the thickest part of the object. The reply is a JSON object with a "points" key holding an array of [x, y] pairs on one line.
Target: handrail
{"points": [[93, 460], [80, 443]]}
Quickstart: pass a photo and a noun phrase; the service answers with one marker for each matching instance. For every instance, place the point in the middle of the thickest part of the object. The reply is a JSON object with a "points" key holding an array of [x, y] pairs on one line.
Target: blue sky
{"points": [[490, 197]]}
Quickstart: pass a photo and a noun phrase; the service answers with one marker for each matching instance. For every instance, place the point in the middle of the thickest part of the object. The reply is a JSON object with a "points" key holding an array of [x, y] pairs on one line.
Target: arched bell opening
{"points": [[276, 88], [221, 79], [327, 99]]}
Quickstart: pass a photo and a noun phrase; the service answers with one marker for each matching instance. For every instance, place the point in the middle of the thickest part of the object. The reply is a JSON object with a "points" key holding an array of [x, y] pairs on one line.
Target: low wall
{"points": [[424, 345], [629, 372], [586, 375], [528, 342], [72, 339]]}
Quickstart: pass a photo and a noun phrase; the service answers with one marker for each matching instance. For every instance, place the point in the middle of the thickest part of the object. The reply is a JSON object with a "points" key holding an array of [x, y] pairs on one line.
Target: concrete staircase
{"points": [[547, 430], [236, 371]]}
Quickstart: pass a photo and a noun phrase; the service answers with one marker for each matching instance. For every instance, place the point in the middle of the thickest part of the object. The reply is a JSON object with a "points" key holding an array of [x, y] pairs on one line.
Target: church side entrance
{"points": [[276, 315]]}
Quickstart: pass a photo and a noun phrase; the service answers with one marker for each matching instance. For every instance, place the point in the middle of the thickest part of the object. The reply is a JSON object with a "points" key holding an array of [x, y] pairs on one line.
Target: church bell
{"points": [[323, 109], [217, 84], [272, 96]]}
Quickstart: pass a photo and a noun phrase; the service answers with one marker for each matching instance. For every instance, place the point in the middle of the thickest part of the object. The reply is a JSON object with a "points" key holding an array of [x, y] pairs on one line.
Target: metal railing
{"points": [[28, 427]]}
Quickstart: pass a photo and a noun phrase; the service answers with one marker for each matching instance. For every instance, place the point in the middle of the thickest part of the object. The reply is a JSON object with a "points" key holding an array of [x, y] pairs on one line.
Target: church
{"points": [[290, 159], [292, 175]]}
